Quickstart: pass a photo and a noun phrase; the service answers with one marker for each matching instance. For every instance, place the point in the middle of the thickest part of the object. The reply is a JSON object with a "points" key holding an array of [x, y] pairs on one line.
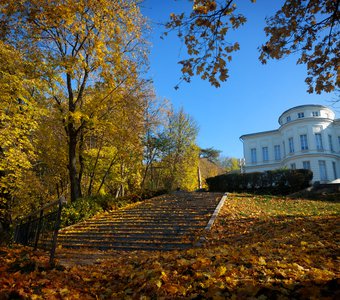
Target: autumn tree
{"points": [[309, 27], [80, 43], [20, 91], [204, 33], [180, 158], [229, 164], [125, 142], [208, 169], [154, 141], [208, 158]]}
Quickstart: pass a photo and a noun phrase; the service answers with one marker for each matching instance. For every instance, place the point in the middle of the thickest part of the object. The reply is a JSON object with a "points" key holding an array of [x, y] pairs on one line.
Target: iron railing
{"points": [[40, 228]]}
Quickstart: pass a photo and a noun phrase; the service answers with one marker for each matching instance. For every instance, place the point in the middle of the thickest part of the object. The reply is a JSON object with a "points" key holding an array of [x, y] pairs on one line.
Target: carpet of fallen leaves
{"points": [[259, 248]]}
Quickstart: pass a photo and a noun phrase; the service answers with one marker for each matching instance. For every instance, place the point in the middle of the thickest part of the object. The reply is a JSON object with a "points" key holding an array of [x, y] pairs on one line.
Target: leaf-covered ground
{"points": [[260, 248]]}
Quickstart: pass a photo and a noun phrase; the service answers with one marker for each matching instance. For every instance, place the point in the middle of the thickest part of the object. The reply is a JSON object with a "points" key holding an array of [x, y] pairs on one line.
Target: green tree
{"points": [[210, 153]]}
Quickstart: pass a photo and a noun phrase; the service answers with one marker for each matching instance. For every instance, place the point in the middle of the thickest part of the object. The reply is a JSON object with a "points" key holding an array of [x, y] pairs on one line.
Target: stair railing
{"points": [[40, 228]]}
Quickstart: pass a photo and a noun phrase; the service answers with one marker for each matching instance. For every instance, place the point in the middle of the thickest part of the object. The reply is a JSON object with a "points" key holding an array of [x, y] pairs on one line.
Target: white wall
{"points": [[309, 126]]}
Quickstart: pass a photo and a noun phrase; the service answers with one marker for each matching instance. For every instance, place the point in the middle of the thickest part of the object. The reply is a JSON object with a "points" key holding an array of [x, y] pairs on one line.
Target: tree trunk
{"points": [[199, 177], [80, 156], [106, 174], [92, 174], [74, 180]]}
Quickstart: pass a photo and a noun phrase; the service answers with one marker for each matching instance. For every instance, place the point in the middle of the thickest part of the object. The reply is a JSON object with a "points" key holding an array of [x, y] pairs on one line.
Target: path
{"points": [[168, 222]]}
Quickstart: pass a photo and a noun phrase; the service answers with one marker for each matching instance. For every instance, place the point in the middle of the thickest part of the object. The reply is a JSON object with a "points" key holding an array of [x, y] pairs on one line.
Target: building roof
{"points": [[290, 109], [259, 133], [303, 106]]}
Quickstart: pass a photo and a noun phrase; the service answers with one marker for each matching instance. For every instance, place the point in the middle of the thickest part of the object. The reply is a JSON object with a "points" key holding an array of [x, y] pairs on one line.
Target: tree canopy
{"points": [[90, 51], [311, 29], [308, 27], [79, 118]]}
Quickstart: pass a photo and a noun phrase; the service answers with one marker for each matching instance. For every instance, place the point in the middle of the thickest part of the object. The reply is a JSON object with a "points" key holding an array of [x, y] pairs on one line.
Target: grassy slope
{"points": [[260, 247]]}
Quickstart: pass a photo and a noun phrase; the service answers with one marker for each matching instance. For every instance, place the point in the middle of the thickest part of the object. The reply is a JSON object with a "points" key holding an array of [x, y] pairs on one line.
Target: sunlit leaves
{"points": [[310, 28], [180, 153], [204, 33], [92, 53], [20, 92], [261, 248]]}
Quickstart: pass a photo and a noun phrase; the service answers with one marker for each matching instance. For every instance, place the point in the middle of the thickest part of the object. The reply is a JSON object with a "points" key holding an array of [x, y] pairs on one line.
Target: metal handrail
{"points": [[30, 228]]}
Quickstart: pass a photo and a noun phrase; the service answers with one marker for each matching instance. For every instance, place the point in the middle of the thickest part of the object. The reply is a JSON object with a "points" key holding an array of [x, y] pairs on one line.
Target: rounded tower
{"points": [[308, 138]]}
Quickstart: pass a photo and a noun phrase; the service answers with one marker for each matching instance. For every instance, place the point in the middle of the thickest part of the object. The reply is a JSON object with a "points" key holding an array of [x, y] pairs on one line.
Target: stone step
{"points": [[143, 221], [129, 246], [142, 215], [120, 227], [152, 214], [90, 239], [94, 240], [136, 234], [168, 222]]}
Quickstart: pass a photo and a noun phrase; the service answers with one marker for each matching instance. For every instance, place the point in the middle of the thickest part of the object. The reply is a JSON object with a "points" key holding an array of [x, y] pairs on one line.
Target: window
{"points": [[277, 152], [291, 145], [288, 119], [284, 148], [293, 166], [318, 141], [334, 170], [301, 115], [330, 141], [323, 170], [303, 140], [253, 155], [306, 165], [265, 155], [316, 114]]}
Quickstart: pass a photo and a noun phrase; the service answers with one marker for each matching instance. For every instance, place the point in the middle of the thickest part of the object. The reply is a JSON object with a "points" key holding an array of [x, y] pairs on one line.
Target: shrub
{"points": [[87, 207], [278, 182], [79, 210], [147, 194]]}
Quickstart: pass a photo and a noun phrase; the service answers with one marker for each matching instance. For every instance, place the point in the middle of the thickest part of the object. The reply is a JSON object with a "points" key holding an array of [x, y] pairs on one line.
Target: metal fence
{"points": [[40, 229]]}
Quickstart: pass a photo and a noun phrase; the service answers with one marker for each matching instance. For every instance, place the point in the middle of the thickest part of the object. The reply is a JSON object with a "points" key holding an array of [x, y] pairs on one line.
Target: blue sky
{"points": [[253, 97]]}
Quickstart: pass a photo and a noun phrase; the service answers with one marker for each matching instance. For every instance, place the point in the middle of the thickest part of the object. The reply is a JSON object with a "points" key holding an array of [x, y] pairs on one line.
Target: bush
{"points": [[87, 207], [148, 194], [116, 203], [277, 182], [79, 210]]}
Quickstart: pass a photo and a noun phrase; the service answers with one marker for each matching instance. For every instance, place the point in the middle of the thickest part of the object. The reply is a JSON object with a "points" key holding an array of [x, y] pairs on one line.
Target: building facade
{"points": [[308, 138]]}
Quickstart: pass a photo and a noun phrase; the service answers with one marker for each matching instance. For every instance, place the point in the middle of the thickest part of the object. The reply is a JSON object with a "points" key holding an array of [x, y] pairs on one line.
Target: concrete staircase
{"points": [[168, 222]]}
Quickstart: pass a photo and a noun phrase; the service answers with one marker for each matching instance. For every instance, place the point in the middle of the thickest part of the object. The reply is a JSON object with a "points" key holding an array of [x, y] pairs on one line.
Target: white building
{"points": [[308, 138]]}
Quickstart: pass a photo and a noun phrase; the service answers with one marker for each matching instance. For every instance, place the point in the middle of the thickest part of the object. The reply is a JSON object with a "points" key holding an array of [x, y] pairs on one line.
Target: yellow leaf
{"points": [[262, 261], [171, 288], [164, 277], [158, 283], [64, 292], [221, 270]]}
